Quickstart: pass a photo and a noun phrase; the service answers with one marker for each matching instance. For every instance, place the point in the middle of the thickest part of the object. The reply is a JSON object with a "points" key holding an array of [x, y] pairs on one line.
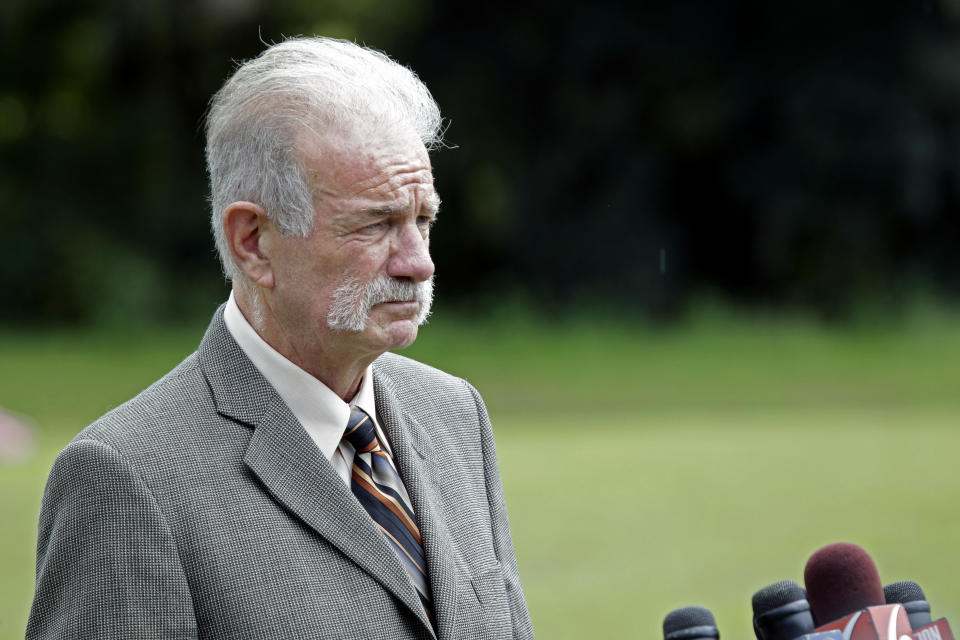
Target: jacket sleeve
{"points": [[107, 565], [519, 615]]}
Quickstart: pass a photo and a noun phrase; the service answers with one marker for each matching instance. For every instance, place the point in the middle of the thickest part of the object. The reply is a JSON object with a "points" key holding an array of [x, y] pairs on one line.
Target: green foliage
{"points": [[645, 469], [770, 154]]}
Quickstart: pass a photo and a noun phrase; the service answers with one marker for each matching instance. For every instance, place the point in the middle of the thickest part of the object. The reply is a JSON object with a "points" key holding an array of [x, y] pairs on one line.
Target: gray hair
{"points": [[302, 84]]}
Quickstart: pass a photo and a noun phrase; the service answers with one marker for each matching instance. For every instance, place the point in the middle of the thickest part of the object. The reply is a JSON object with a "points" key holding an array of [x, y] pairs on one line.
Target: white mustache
{"points": [[353, 300]]}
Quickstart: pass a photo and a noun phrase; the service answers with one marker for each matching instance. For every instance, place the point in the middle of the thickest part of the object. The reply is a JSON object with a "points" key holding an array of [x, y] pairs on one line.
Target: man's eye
{"points": [[425, 221], [376, 226]]}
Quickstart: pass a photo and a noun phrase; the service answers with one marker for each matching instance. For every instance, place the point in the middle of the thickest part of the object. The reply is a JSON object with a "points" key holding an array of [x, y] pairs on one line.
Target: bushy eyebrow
{"points": [[431, 205], [381, 212]]}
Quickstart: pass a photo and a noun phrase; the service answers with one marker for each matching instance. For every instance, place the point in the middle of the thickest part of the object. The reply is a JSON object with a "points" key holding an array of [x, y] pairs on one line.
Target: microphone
{"points": [[846, 594], [841, 578], [690, 623], [781, 612], [910, 595]]}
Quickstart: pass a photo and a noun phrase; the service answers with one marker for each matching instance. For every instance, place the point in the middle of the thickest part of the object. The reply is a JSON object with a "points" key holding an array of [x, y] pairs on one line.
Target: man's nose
{"points": [[411, 255]]}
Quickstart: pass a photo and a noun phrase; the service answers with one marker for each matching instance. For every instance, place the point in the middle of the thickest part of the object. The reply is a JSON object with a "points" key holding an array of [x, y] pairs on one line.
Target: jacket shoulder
{"points": [[421, 383], [176, 399], [407, 374]]}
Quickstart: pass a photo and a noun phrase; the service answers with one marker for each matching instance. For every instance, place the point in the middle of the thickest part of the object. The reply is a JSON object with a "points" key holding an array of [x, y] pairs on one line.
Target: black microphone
{"points": [[690, 623], [781, 612], [909, 594]]}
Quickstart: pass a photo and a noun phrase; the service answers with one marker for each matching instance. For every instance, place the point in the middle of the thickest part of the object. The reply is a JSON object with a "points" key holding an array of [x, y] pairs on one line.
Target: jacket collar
{"points": [[296, 474]]}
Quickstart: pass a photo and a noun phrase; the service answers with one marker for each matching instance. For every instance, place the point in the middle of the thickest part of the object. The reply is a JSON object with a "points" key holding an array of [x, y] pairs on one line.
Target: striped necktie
{"points": [[378, 487]]}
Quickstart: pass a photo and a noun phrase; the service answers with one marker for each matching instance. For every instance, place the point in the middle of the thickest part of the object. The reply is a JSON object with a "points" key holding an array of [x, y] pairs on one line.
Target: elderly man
{"points": [[292, 479]]}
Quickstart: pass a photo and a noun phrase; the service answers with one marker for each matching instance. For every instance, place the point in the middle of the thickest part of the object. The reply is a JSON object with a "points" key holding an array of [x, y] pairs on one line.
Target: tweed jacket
{"points": [[202, 509]]}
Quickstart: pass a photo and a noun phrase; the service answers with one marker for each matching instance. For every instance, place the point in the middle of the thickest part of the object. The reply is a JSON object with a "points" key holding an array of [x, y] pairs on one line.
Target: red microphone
{"points": [[845, 594]]}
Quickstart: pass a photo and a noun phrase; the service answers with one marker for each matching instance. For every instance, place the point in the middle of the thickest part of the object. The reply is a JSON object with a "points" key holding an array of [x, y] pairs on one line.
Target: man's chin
{"points": [[401, 333]]}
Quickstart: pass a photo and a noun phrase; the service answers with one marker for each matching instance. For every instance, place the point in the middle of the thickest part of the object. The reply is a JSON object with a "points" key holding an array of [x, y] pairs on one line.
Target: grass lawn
{"points": [[645, 470]]}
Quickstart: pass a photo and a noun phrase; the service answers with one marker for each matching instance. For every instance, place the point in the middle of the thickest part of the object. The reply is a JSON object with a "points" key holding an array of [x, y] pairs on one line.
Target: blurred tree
{"points": [[799, 153]]}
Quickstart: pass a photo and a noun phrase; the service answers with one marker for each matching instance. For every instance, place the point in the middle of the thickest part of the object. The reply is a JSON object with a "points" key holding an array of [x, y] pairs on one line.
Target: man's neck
{"points": [[340, 373]]}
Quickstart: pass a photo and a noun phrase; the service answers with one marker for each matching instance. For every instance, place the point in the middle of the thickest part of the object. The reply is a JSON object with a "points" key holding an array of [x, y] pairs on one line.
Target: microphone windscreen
{"points": [[841, 578], [909, 594], [903, 591], [781, 612], [776, 595], [692, 622]]}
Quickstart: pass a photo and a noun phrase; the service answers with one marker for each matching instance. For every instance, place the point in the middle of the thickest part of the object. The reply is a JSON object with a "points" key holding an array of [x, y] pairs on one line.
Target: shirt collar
{"points": [[321, 412]]}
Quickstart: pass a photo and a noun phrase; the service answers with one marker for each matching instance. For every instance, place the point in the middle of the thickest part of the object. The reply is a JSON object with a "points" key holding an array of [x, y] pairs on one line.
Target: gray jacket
{"points": [[202, 509]]}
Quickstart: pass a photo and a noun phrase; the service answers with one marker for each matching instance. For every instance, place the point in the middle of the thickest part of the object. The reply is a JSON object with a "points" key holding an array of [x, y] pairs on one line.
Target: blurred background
{"points": [[699, 257]]}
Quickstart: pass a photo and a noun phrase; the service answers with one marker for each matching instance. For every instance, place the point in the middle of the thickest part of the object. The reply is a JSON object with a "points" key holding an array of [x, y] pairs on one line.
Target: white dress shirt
{"points": [[321, 412]]}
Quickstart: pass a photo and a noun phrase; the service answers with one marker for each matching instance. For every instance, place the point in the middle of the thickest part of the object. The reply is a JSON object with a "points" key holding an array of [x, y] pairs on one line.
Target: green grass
{"points": [[644, 469], [625, 518]]}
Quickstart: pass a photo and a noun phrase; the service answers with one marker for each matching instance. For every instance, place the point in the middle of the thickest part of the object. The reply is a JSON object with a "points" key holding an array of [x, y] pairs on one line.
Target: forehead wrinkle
{"points": [[376, 179], [395, 188], [393, 178], [354, 171]]}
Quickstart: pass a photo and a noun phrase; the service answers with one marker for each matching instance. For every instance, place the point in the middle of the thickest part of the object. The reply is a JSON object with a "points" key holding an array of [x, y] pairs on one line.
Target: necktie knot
{"points": [[360, 431]]}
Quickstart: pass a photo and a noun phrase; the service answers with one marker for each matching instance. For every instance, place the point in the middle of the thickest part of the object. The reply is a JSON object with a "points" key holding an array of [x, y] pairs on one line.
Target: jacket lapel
{"points": [[414, 456], [291, 467]]}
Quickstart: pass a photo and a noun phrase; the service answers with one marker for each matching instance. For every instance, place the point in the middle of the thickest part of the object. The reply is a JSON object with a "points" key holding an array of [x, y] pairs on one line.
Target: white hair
{"points": [[302, 84]]}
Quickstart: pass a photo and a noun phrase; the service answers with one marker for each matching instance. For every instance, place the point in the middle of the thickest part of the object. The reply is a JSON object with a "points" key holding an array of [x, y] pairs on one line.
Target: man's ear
{"points": [[245, 224]]}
